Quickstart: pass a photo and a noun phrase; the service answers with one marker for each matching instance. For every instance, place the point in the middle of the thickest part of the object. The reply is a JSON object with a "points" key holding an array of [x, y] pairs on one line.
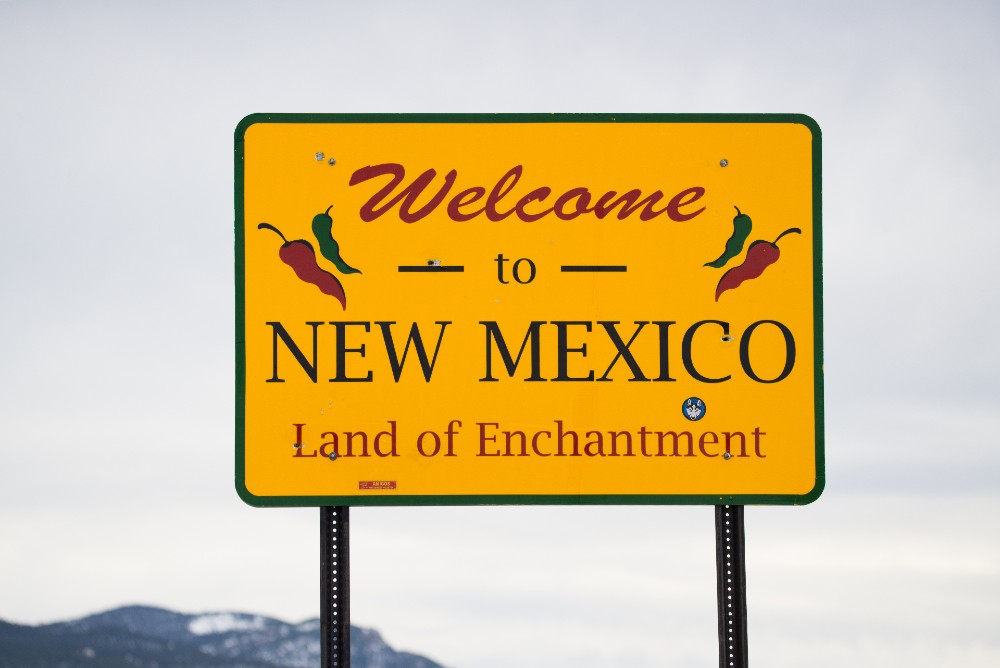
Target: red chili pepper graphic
{"points": [[761, 255], [300, 256]]}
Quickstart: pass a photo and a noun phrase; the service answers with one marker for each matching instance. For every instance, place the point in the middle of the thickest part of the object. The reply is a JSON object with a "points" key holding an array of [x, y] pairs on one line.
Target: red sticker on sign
{"points": [[377, 484]]}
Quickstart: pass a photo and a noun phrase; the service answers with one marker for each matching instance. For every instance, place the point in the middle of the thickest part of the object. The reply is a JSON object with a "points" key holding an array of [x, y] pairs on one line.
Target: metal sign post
{"points": [[335, 587], [335, 599], [730, 569]]}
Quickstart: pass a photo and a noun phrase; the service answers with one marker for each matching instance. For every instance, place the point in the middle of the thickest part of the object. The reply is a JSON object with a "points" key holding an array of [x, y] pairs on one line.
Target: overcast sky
{"points": [[116, 299]]}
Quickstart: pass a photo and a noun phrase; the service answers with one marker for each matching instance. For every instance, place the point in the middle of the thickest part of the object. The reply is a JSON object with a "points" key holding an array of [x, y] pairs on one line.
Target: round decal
{"points": [[694, 409]]}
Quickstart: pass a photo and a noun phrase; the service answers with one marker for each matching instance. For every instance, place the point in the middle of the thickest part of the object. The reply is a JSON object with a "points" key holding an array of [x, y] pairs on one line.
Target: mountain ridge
{"points": [[141, 636]]}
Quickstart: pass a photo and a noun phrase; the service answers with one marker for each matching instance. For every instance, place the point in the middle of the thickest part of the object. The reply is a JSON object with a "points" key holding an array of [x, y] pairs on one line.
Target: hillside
{"points": [[147, 637]]}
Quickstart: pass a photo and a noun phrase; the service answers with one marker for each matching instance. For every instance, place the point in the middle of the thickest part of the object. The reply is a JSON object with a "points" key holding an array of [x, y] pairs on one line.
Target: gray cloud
{"points": [[116, 291]]}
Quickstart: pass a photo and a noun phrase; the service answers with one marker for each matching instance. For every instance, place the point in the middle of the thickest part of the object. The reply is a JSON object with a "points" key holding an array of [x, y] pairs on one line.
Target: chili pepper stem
{"points": [[265, 226], [327, 212], [738, 210], [788, 231]]}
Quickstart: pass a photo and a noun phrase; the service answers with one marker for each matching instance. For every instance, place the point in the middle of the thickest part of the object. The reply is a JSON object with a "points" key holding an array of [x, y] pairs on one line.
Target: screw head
{"points": [[723, 163], [319, 156], [332, 162], [333, 456], [726, 456]]}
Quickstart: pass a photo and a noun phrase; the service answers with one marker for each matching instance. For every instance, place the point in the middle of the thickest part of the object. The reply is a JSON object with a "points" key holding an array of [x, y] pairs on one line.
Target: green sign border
{"points": [[514, 499]]}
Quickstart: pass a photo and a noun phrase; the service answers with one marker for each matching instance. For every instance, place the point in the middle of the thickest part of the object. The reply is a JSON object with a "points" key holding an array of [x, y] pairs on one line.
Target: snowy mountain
{"points": [[145, 637]]}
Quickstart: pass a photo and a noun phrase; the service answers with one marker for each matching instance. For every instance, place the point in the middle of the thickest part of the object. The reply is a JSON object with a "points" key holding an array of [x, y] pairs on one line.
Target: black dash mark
{"points": [[430, 269], [593, 268]]}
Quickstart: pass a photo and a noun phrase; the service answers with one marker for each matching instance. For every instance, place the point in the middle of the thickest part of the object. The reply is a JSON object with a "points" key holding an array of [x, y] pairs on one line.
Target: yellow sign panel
{"points": [[443, 309]]}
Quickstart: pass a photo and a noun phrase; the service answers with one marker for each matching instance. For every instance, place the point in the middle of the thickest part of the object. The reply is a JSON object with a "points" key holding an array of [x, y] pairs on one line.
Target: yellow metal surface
{"points": [[583, 414]]}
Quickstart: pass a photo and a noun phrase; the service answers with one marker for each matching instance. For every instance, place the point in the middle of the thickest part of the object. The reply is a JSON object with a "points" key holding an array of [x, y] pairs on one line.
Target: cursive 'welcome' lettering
{"points": [[531, 206]]}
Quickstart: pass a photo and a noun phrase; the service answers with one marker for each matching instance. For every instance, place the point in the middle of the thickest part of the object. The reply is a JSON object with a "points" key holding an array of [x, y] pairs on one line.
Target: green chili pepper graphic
{"points": [[761, 255], [741, 230], [322, 226]]}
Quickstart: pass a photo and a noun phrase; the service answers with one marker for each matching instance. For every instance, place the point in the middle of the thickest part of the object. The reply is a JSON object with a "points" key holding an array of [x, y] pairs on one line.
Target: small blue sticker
{"points": [[694, 409]]}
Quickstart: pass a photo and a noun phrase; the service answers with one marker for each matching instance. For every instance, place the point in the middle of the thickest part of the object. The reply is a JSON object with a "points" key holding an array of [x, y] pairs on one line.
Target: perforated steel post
{"points": [[730, 569], [335, 587]]}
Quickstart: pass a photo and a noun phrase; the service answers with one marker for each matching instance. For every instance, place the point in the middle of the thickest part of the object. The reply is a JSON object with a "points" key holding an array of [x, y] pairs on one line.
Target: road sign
{"points": [[481, 309]]}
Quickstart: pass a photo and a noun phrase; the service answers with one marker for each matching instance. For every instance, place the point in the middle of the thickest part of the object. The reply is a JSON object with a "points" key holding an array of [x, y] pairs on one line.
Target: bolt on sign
{"points": [[528, 309]]}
